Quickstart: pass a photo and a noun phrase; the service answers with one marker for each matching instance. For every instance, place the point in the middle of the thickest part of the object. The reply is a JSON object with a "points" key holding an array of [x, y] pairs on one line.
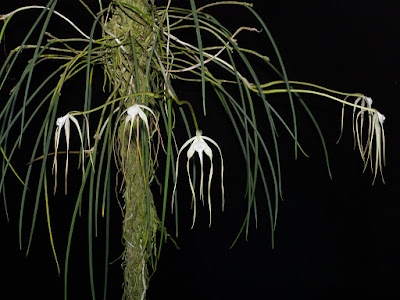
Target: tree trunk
{"points": [[127, 27], [139, 227]]}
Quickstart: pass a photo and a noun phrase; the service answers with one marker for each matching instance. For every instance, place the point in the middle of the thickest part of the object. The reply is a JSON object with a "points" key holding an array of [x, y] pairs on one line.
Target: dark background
{"points": [[334, 237]]}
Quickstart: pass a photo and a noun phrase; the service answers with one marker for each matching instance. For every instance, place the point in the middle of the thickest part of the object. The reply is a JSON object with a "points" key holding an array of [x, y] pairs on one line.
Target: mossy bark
{"points": [[126, 70], [140, 225]]}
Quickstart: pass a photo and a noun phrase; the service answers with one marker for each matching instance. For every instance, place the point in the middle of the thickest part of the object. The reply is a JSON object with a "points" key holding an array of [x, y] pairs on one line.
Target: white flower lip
{"points": [[198, 144], [381, 118], [61, 121]]}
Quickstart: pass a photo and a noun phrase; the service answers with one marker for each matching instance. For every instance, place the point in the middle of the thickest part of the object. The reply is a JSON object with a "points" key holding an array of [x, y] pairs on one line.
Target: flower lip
{"points": [[61, 120], [381, 118], [199, 145], [133, 110]]}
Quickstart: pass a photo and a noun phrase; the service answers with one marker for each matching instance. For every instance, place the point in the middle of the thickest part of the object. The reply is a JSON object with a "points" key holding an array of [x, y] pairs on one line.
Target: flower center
{"points": [[199, 145]]}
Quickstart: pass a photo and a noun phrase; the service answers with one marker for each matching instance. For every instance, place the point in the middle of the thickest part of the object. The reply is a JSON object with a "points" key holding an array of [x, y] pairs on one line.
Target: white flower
{"points": [[378, 134], [65, 122], [199, 145], [134, 111], [375, 134], [366, 135]]}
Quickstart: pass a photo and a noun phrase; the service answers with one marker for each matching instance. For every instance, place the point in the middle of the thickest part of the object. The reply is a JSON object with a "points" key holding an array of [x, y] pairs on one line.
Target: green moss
{"points": [[138, 237], [130, 24]]}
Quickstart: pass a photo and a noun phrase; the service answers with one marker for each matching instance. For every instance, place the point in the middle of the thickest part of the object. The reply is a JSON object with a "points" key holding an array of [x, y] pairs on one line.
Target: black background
{"points": [[334, 237]]}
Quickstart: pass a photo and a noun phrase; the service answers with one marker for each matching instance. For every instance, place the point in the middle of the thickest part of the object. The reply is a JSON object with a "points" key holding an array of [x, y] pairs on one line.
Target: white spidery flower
{"points": [[134, 111], [375, 135], [64, 122], [198, 144]]}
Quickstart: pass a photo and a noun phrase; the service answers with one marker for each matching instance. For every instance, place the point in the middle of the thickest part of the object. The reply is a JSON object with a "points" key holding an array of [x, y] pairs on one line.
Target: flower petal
{"points": [[177, 168], [222, 169], [67, 130], [209, 154], [56, 143], [193, 192], [73, 119]]}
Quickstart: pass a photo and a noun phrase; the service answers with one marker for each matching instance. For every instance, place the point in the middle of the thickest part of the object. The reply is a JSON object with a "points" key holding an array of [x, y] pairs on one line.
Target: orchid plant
{"points": [[140, 47]]}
